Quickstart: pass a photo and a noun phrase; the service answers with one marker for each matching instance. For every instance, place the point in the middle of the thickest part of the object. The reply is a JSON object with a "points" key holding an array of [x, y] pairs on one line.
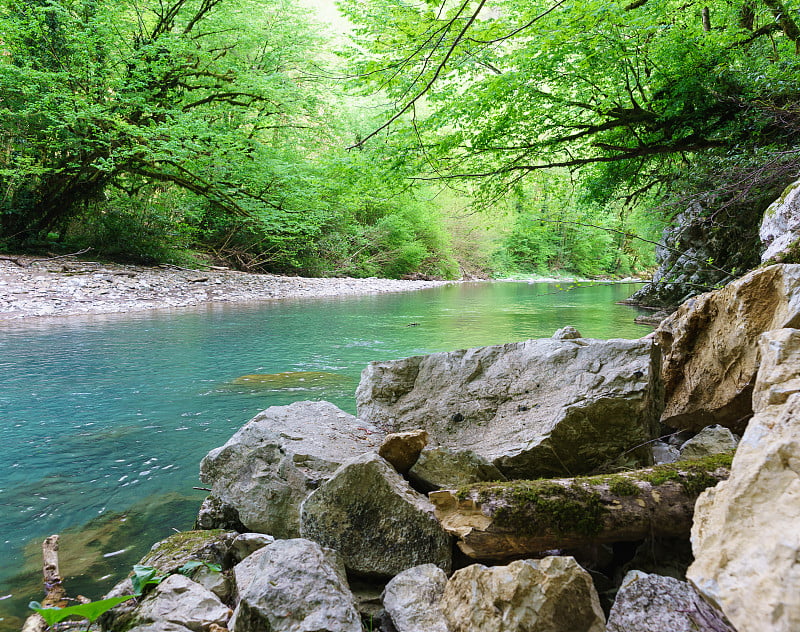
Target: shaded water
{"points": [[104, 419]]}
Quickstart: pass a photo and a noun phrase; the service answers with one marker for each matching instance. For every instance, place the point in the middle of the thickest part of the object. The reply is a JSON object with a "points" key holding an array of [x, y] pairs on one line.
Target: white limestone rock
{"points": [[412, 599], [780, 227], [710, 440], [745, 536], [180, 601], [711, 351]]}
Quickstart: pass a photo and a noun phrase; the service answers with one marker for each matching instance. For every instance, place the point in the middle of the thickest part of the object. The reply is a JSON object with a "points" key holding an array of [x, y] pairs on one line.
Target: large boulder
{"points": [[371, 516], [710, 347], [652, 603], [745, 536], [533, 408], [293, 586], [261, 475], [553, 594], [412, 598], [780, 227]]}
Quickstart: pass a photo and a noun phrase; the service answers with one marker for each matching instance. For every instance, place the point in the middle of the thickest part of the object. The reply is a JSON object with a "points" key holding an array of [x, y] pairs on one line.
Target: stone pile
{"points": [[313, 513]]}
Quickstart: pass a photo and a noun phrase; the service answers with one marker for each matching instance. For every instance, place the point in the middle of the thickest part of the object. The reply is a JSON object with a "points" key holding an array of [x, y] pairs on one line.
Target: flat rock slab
{"points": [[263, 473], [534, 408]]}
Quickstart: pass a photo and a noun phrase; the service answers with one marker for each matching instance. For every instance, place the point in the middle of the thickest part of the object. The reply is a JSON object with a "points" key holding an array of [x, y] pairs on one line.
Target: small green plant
{"points": [[144, 576], [89, 611], [188, 568]]}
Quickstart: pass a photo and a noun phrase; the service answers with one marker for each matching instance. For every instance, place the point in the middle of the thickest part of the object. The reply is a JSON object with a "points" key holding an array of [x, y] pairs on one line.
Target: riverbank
{"points": [[31, 287]]}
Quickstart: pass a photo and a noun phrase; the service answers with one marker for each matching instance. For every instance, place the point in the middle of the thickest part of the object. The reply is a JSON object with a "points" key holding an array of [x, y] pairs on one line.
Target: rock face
{"points": [[412, 599], [553, 594], [710, 347], [263, 473], [442, 468], [780, 228], [540, 407], [727, 238], [369, 514], [294, 586], [651, 603], [745, 537]]}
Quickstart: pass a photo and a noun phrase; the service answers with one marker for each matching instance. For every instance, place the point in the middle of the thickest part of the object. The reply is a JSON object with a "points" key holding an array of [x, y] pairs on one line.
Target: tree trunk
{"points": [[55, 595], [497, 521]]}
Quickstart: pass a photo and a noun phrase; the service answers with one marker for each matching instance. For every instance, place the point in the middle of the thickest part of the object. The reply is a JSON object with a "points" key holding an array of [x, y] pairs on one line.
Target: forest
{"points": [[412, 138]]}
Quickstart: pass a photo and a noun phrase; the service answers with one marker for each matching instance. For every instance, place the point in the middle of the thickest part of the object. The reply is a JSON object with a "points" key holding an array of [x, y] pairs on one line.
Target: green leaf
{"points": [[190, 566], [89, 611], [144, 576]]}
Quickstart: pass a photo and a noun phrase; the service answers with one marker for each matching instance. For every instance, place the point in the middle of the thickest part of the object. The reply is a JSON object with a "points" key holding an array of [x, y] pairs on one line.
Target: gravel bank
{"points": [[66, 287]]}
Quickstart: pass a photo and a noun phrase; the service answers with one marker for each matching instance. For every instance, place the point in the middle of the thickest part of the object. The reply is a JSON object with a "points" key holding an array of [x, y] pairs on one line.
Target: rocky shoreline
{"points": [[556, 485], [67, 286]]}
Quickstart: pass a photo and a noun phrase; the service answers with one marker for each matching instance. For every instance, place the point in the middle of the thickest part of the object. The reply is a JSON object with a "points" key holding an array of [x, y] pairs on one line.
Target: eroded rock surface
{"points": [[540, 407], [553, 594], [372, 517], [263, 473], [652, 603], [412, 599], [294, 586], [710, 347], [745, 536]]}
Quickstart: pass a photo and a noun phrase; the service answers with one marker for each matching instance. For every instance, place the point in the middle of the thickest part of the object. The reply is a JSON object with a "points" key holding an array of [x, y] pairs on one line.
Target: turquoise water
{"points": [[104, 419]]}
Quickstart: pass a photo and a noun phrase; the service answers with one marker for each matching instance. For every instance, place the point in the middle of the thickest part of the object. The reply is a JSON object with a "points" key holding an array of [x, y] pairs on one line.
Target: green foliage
{"points": [[637, 99], [144, 576], [89, 611], [555, 232], [192, 565]]}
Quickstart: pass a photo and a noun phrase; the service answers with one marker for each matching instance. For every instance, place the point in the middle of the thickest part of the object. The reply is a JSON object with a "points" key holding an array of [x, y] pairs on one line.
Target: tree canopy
{"points": [[630, 94]]}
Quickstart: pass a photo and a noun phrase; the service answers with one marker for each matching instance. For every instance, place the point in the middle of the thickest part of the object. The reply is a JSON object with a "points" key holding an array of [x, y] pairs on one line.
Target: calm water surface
{"points": [[104, 419]]}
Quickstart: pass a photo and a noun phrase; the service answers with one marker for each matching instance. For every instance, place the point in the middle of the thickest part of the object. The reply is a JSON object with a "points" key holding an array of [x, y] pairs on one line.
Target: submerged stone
{"points": [[291, 380]]}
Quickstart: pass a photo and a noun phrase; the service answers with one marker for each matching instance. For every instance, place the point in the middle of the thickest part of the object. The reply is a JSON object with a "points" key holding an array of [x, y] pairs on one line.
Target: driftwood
{"points": [[497, 521], [55, 595]]}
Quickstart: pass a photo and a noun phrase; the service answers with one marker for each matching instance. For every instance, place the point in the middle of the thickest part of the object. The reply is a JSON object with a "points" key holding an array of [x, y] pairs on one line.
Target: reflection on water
{"points": [[99, 413]]}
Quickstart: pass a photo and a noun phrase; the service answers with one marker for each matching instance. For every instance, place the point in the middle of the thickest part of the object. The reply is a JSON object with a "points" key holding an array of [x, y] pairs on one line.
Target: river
{"points": [[104, 419]]}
